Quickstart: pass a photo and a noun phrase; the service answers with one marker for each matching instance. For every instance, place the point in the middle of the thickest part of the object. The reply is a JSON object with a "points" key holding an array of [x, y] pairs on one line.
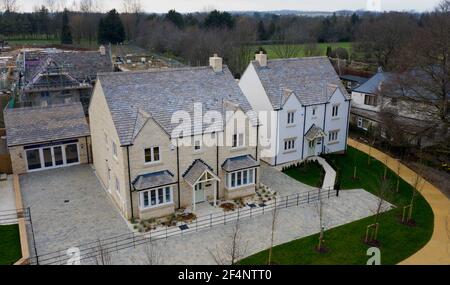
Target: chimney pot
{"points": [[216, 63], [102, 50], [261, 58]]}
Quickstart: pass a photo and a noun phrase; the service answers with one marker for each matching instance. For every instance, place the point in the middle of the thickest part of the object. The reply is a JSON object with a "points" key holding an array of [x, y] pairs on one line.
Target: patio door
{"points": [[199, 193], [52, 156]]}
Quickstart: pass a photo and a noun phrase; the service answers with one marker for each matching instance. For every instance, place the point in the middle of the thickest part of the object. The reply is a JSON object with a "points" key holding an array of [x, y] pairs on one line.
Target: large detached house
{"points": [[55, 77], [310, 105], [147, 168]]}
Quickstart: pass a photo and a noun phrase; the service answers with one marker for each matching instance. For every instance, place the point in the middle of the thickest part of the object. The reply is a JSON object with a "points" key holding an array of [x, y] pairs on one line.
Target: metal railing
{"points": [[92, 250], [9, 217]]}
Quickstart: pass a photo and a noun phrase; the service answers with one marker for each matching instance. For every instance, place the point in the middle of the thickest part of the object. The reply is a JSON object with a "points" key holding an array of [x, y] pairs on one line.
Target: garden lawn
{"points": [[309, 173], [10, 250], [345, 243], [322, 47]]}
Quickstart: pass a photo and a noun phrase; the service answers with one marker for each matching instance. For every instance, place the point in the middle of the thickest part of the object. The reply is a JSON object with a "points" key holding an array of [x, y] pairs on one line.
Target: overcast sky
{"points": [[255, 5]]}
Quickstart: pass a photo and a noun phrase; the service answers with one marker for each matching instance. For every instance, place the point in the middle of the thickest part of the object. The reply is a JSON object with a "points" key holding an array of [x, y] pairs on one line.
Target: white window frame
{"points": [[291, 118], [290, 144], [156, 193], [240, 140], [333, 136], [152, 155], [197, 143], [52, 149], [239, 176], [335, 111], [114, 149]]}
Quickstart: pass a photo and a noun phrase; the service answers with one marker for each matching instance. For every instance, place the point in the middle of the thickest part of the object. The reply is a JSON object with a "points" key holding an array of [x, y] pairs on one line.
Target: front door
{"points": [[312, 148], [199, 193]]}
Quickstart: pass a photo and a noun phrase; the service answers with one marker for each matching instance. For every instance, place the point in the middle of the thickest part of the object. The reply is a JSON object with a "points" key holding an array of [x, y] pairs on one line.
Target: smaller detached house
{"points": [[308, 104], [40, 138]]}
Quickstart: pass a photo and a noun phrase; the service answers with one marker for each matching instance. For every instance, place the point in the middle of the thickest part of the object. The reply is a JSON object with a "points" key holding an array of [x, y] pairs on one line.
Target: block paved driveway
{"points": [[88, 215]]}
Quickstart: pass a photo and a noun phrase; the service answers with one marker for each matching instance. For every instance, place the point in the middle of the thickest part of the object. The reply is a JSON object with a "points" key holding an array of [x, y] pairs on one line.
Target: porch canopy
{"points": [[239, 163], [314, 133], [153, 180], [199, 173]]}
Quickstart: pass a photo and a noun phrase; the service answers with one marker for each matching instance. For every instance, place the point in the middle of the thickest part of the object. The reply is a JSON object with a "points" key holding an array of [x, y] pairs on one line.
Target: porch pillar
{"points": [[193, 198], [215, 193]]}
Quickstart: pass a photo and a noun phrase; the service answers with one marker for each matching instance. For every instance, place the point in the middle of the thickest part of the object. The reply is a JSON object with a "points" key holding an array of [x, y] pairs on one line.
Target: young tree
{"points": [[273, 229], [319, 207], [382, 193], [66, 34], [233, 250]]}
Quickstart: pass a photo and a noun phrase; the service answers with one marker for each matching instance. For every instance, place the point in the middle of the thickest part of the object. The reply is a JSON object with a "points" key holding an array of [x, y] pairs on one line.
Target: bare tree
{"points": [[272, 234], [100, 255], [10, 5], [132, 6], [232, 251], [319, 207], [152, 254], [417, 189], [383, 191]]}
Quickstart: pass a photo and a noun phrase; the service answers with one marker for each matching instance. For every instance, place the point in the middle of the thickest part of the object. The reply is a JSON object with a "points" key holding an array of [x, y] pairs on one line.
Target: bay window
{"points": [[156, 197], [240, 178]]}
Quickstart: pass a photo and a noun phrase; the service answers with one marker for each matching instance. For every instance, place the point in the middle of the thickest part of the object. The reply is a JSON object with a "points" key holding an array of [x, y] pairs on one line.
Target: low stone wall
{"points": [[22, 225]]}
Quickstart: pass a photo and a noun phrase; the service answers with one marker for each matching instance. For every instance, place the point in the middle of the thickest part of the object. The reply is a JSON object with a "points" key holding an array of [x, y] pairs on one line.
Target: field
{"points": [[321, 46]]}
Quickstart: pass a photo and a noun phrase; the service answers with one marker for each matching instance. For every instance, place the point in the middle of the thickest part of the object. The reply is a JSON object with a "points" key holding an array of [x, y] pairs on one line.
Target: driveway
{"points": [[69, 207]]}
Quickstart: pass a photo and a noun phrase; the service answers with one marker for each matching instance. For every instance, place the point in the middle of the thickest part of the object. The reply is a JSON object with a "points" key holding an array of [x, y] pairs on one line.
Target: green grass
{"points": [[322, 48], [309, 173], [10, 250], [345, 243]]}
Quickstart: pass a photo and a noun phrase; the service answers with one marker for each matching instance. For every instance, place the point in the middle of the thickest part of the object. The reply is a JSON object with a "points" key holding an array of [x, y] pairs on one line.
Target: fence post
{"points": [[166, 232], [210, 220], [308, 197], [263, 210], [287, 201], [250, 213], [225, 218], [329, 193], [298, 194], [134, 244], [238, 214], [337, 192], [196, 223]]}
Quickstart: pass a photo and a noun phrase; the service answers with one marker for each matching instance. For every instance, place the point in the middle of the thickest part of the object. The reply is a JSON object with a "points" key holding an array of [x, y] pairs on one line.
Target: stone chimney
{"points": [[261, 58], [216, 63], [102, 50]]}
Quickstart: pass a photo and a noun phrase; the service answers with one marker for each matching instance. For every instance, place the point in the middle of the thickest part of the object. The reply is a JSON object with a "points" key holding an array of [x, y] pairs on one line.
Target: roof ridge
{"points": [[159, 69], [53, 106]]}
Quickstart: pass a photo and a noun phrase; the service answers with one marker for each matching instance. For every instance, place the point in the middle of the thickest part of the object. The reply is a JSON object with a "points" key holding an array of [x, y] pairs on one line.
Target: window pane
{"points": [[34, 160], [233, 179], [145, 199], [168, 198], [250, 176], [160, 196], [245, 177], [241, 139], [48, 160], [156, 154], [234, 141], [153, 197], [71, 153], [148, 155], [239, 178]]}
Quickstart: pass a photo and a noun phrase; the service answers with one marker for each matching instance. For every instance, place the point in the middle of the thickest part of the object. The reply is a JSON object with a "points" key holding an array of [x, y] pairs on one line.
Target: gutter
{"points": [[129, 181]]}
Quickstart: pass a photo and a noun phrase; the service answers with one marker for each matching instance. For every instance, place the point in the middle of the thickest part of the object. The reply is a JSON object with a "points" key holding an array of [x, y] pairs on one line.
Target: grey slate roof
{"points": [[309, 78], [314, 132], [354, 78], [240, 162], [81, 65], [161, 92], [43, 124], [194, 171], [153, 180], [372, 85]]}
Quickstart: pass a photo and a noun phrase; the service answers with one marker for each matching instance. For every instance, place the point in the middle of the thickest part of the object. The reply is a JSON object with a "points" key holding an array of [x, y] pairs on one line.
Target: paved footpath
{"points": [[437, 250]]}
